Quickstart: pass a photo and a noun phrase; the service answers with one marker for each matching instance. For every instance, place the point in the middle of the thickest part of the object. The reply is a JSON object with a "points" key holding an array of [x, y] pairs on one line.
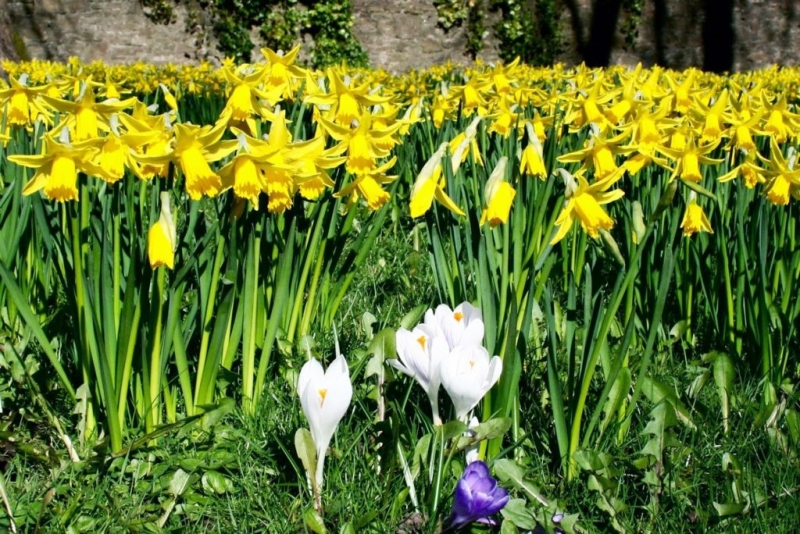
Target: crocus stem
{"points": [[437, 420], [316, 486]]}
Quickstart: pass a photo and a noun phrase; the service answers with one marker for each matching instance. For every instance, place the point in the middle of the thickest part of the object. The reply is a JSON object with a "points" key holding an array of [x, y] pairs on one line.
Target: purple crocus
{"points": [[477, 497]]}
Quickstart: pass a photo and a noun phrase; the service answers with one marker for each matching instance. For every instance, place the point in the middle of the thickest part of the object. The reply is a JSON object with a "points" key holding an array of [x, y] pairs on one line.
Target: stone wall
{"points": [[406, 36], [403, 34], [115, 31], [6, 37]]}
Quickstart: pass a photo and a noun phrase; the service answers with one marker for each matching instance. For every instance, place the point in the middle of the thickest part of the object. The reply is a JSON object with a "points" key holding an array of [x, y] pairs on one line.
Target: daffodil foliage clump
{"points": [[175, 236]]}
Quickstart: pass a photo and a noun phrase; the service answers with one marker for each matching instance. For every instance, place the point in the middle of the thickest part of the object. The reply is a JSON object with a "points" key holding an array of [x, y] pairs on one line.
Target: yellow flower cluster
{"points": [[690, 123]]}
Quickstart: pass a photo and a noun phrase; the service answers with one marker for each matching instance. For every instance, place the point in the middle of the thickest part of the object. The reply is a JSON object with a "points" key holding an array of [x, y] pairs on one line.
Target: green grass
{"points": [[266, 489], [244, 474]]}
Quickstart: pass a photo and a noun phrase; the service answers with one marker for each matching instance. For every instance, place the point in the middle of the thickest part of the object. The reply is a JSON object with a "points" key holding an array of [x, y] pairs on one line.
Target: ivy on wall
{"points": [[280, 25], [529, 29], [633, 18]]}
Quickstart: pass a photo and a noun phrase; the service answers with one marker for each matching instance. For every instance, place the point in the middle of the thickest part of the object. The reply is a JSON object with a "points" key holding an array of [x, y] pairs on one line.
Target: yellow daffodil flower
{"points": [[682, 96], [689, 159], [714, 119], [694, 218], [499, 196], [194, 148], [503, 118], [244, 173], [368, 187], [471, 94], [465, 143], [599, 154], [312, 161], [442, 108], [246, 99], [784, 179], [58, 166], [532, 158], [117, 151], [162, 239], [781, 123], [586, 107], [282, 74], [584, 203], [363, 142], [86, 116], [627, 102], [23, 102], [430, 184], [346, 103]]}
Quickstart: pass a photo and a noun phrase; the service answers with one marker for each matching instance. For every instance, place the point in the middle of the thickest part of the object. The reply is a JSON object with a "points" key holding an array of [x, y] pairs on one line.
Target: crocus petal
{"points": [[421, 352], [467, 375], [325, 397], [477, 496]]}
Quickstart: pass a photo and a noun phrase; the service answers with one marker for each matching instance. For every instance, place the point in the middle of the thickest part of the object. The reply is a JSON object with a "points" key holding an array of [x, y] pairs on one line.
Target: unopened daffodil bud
{"points": [[162, 239], [499, 196]]}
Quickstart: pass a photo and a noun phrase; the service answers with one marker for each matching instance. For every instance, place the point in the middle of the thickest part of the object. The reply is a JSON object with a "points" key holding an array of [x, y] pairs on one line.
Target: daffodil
{"points": [[58, 166], [747, 169], [312, 162], [532, 156], [244, 173], [346, 100], [781, 123], [714, 118], [281, 72], [140, 121], [246, 99], [689, 159], [599, 154], [117, 151], [627, 102], [23, 102], [442, 108], [325, 397], [86, 116], [369, 187], [584, 203], [465, 143], [586, 106], [162, 239], [361, 141], [503, 118], [682, 96], [784, 179], [499, 196], [694, 218], [430, 184], [194, 148], [472, 93]]}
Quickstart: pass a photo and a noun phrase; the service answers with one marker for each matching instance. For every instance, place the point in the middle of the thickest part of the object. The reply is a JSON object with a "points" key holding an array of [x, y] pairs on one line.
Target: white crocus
{"points": [[462, 326], [325, 397], [421, 352], [467, 375]]}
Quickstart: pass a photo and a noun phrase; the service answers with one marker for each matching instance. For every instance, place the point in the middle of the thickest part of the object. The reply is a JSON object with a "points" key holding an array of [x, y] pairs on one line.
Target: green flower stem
{"points": [[155, 364], [207, 318]]}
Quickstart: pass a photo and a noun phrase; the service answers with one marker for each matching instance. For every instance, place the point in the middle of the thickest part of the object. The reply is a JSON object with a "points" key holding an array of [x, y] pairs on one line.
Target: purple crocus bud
{"points": [[477, 497]]}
